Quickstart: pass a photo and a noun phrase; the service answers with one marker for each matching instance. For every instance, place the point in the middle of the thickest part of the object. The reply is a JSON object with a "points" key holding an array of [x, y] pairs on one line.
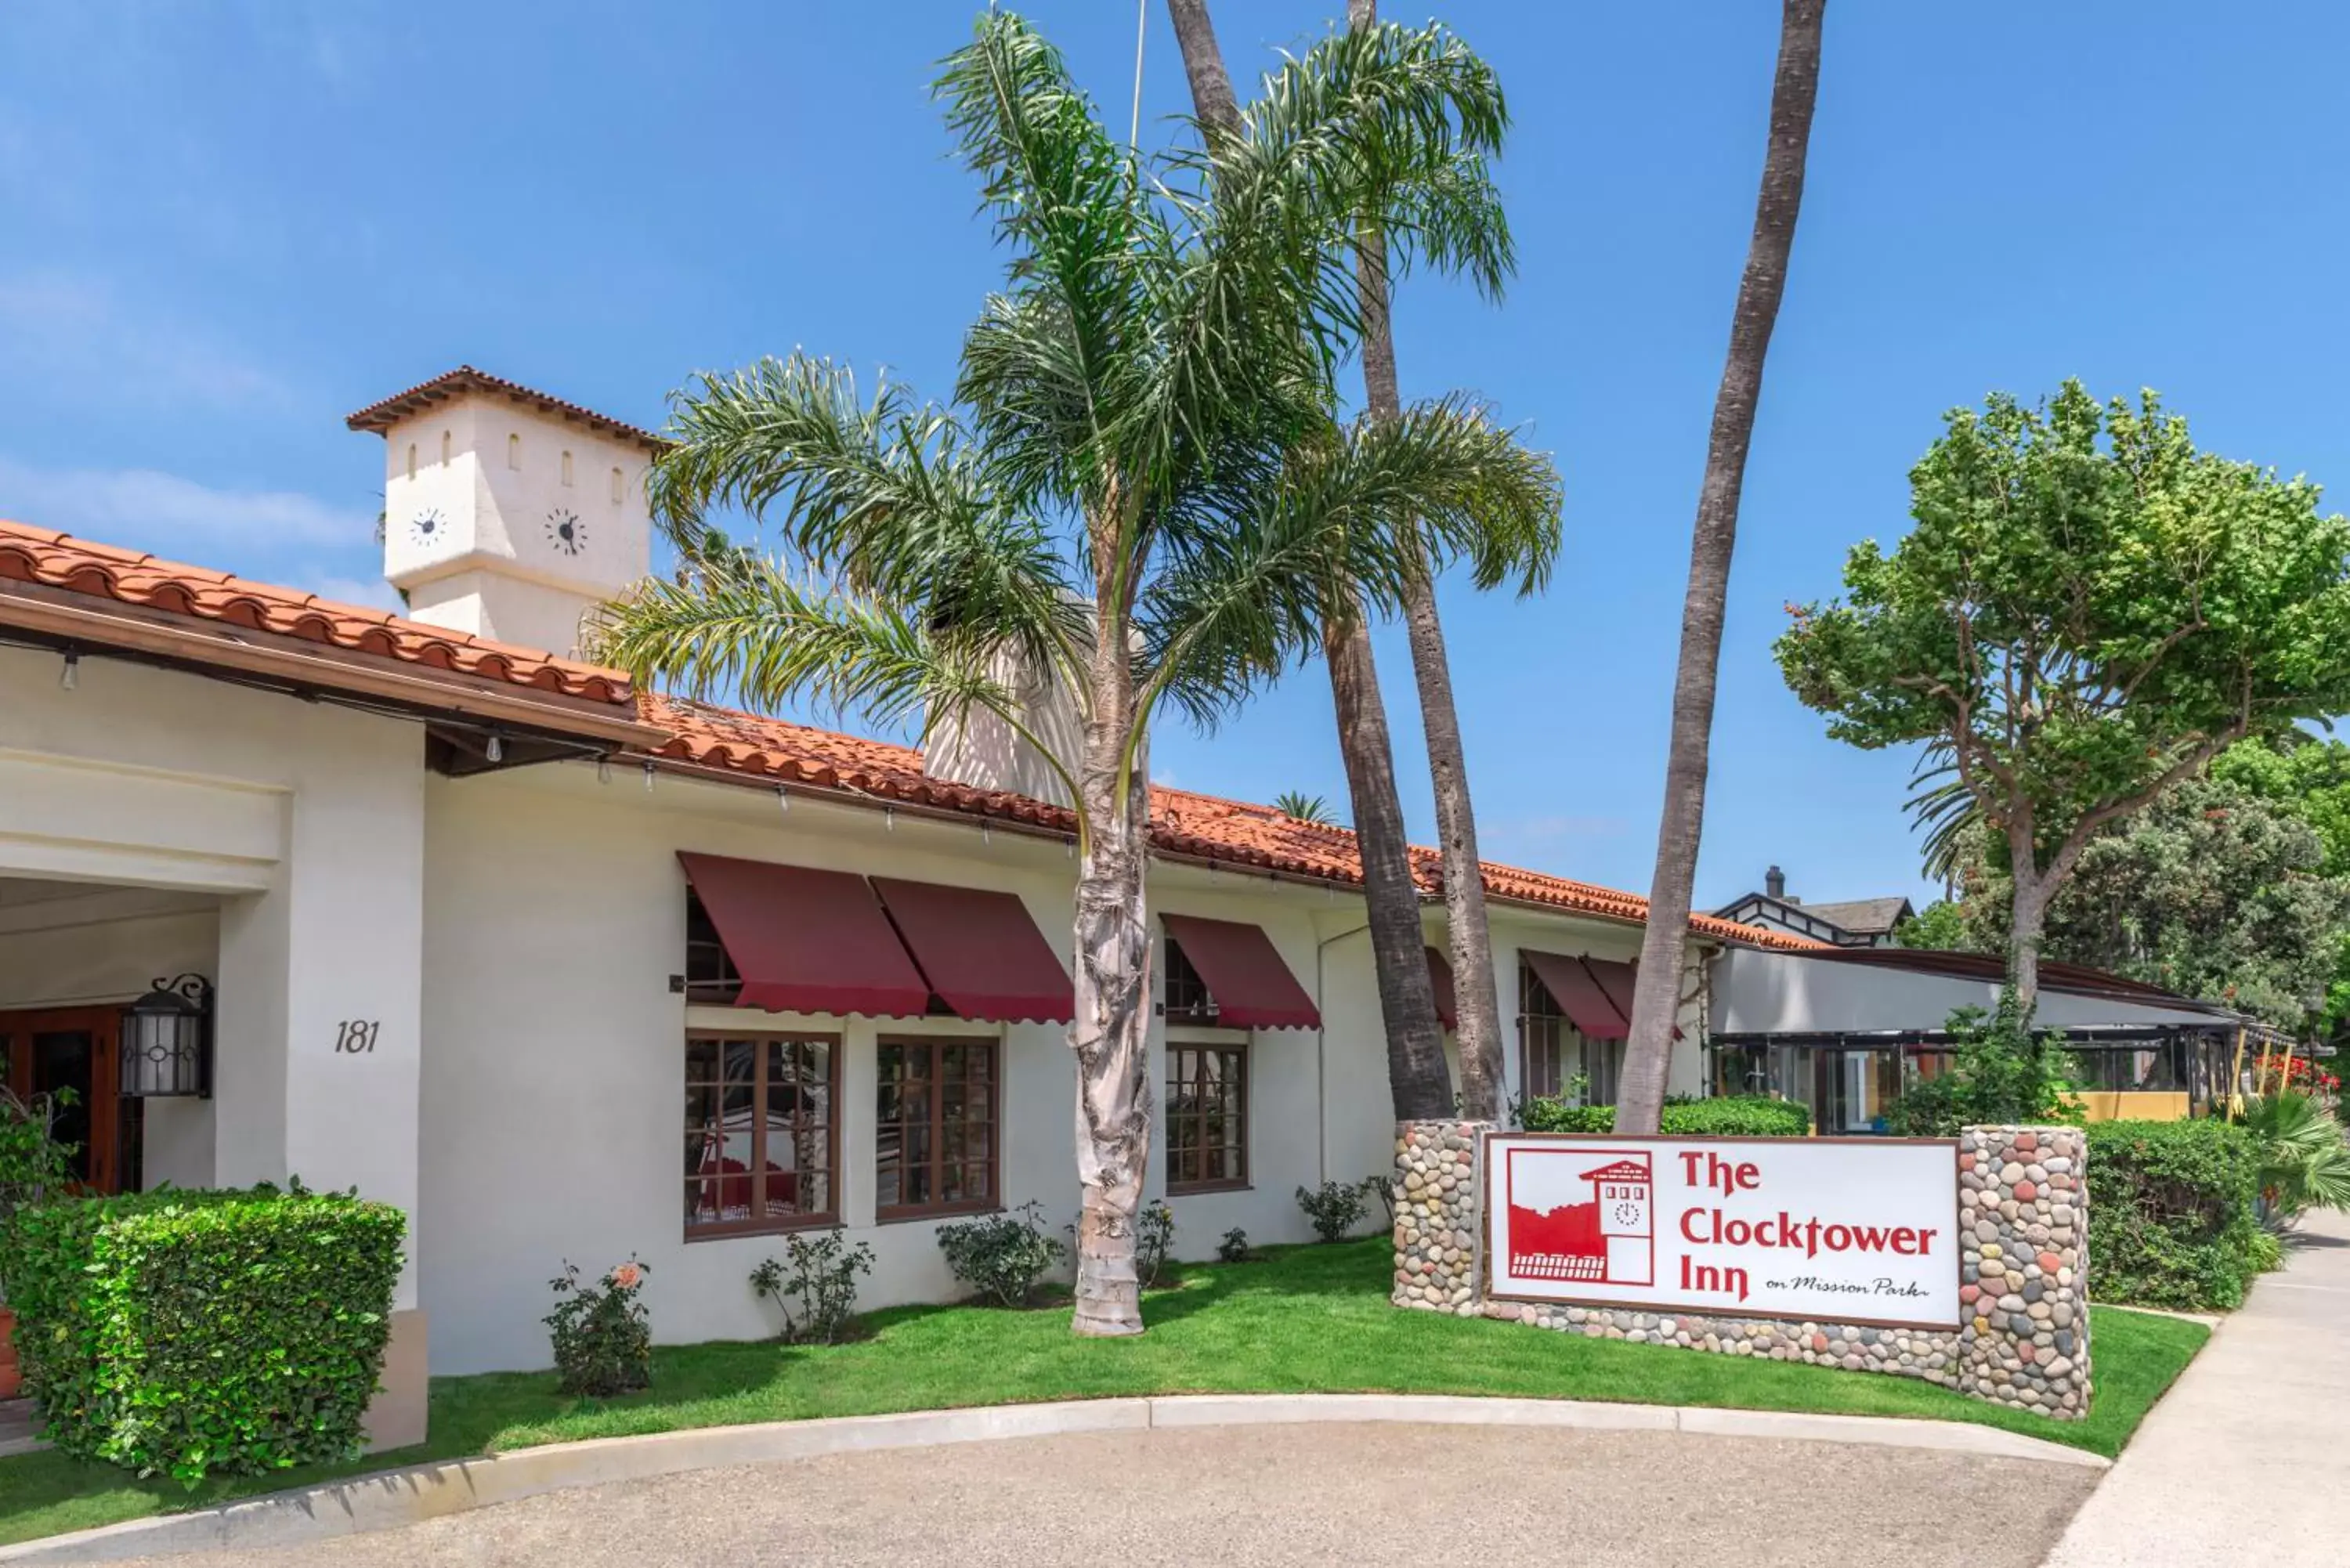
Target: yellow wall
{"points": [[2133, 1104]]}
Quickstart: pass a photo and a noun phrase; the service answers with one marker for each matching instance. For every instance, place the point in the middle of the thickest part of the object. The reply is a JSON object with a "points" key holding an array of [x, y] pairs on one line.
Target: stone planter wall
{"points": [[2022, 1225]]}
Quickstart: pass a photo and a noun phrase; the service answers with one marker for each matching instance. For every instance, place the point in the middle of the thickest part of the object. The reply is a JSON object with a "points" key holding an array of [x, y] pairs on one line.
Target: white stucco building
{"points": [[572, 971]]}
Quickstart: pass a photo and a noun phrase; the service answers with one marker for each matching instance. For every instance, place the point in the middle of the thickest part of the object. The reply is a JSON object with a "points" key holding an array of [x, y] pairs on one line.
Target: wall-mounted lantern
{"points": [[167, 1040]]}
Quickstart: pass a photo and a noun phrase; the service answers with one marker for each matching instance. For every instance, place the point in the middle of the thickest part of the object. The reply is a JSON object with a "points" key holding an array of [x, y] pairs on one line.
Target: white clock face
{"points": [[1628, 1213], [428, 526], [565, 532]]}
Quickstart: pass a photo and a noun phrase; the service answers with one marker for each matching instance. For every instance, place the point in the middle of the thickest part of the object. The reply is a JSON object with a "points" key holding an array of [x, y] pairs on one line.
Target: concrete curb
{"points": [[394, 1498]]}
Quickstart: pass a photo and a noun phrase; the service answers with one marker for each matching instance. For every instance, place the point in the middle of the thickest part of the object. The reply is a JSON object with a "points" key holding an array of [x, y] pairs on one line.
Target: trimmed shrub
{"points": [[1002, 1256], [1335, 1208], [1235, 1248], [202, 1332], [2171, 1214], [1154, 1242], [1731, 1115]]}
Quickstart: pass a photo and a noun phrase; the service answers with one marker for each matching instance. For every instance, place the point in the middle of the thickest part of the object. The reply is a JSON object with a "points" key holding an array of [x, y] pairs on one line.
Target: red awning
{"points": [[980, 951], [1440, 975], [1580, 995], [1619, 978], [806, 941], [1252, 987]]}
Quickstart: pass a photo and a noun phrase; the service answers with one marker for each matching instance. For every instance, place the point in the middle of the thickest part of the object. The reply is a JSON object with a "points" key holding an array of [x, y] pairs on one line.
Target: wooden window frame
{"points": [[1188, 999], [898, 1213], [720, 1230], [1240, 1047], [1530, 990]]}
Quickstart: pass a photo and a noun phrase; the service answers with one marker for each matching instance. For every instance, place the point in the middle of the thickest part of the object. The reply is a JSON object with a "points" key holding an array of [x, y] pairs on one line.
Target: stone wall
{"points": [[2022, 1224]]}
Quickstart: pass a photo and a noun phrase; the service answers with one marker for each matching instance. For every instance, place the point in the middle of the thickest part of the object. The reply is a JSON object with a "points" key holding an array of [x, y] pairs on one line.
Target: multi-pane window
{"points": [[2157, 1067], [936, 1147], [710, 975], [759, 1131], [1207, 1116], [1553, 1052], [1187, 993]]}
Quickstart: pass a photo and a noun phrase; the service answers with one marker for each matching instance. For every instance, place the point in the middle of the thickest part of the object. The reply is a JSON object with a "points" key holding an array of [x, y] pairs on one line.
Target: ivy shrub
{"points": [[195, 1333], [1731, 1115], [2171, 1214]]}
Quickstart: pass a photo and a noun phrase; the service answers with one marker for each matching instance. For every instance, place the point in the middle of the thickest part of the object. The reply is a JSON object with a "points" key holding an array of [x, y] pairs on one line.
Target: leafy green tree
{"points": [[2086, 613], [2309, 776], [2000, 1074], [1940, 925], [2212, 892], [1141, 498]]}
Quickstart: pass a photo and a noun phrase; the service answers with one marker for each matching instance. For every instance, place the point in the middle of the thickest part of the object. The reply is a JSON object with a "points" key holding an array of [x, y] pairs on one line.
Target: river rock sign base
{"points": [[2023, 1227]]}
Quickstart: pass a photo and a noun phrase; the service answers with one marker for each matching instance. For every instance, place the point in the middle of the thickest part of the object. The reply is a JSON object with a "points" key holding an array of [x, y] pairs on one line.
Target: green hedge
{"points": [[1731, 1115], [2171, 1218], [187, 1333]]}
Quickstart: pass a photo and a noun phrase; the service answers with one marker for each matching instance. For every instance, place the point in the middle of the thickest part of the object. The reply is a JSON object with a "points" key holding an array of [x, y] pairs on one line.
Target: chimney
{"points": [[1775, 883]]}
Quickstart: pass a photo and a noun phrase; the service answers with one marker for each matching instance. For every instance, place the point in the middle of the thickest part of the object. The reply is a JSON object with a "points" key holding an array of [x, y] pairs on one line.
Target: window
{"points": [[935, 1149], [514, 451], [445, 446], [759, 1132], [1207, 1116], [2147, 1069], [1552, 1054], [710, 975], [412, 459], [567, 468], [1187, 993], [617, 487]]}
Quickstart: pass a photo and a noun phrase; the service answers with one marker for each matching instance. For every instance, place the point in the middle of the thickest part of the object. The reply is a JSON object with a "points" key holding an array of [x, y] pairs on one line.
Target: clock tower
{"points": [[509, 513]]}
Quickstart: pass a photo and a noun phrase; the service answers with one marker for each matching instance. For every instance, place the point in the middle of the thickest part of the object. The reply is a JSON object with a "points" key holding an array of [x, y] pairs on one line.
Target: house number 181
{"points": [[353, 1035]]}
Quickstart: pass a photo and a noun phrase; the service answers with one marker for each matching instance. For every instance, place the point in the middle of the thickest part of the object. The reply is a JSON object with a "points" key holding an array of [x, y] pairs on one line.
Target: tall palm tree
{"points": [[1454, 221], [1138, 496], [1656, 996]]}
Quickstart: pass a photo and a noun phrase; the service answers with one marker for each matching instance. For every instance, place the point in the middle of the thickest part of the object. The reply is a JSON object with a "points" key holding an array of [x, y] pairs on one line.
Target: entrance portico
{"points": [[274, 848]]}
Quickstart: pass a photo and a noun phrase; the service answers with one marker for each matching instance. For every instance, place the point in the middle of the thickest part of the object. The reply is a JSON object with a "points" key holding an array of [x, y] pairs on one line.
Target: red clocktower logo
{"points": [[1582, 1214]]}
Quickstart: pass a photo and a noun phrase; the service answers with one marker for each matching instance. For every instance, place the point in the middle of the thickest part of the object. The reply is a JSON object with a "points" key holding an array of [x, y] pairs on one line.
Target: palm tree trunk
{"points": [[1112, 988], [1417, 1080], [1469, 938], [1680, 825]]}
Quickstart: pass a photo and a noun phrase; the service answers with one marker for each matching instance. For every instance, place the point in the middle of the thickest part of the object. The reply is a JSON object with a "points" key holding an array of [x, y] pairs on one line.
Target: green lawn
{"points": [[1306, 1319]]}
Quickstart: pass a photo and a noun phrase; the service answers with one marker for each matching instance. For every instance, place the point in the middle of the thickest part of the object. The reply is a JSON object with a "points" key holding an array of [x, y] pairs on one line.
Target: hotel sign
{"points": [[1859, 1230]]}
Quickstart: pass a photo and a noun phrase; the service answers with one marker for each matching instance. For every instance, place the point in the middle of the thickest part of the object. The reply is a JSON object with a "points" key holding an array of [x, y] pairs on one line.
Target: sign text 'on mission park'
{"points": [[1862, 1231]]}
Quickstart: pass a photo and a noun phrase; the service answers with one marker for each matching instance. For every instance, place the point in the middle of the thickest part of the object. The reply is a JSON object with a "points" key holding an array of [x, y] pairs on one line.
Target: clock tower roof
{"points": [[425, 395]]}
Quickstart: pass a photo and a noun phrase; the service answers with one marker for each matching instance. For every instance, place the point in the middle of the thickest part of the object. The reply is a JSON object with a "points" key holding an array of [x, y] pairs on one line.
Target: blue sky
{"points": [[223, 226]]}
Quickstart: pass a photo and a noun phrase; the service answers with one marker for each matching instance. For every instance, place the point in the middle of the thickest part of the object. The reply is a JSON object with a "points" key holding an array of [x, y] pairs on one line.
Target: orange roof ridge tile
{"points": [[57, 560]]}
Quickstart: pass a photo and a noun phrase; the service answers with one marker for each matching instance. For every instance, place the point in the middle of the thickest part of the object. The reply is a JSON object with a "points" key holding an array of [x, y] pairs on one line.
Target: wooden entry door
{"points": [[79, 1049]]}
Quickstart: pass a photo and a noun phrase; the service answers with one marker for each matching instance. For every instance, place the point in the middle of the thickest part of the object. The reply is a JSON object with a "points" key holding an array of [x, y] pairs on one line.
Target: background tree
{"points": [[1680, 825], [1140, 499], [2212, 892], [1456, 223], [1940, 925], [2086, 613]]}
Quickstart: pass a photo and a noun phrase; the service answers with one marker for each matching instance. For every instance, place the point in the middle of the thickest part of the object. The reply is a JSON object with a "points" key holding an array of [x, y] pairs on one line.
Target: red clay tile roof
{"points": [[1183, 821], [30, 554], [380, 417]]}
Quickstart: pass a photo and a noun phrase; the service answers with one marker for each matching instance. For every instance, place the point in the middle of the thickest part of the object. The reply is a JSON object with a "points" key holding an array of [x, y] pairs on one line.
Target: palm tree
{"points": [[1656, 996], [1305, 807], [1138, 495], [1454, 221]]}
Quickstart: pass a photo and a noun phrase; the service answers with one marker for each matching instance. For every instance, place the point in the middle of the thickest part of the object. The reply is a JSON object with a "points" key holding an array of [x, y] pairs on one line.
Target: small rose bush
{"points": [[814, 1284], [603, 1335]]}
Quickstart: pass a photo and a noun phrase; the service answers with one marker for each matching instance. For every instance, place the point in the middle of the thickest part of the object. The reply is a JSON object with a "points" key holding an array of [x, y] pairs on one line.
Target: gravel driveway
{"points": [[1355, 1494]]}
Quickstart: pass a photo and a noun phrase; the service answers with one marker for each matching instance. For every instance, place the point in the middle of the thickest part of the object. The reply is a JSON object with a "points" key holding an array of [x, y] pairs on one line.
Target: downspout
{"points": [[1321, 1060]]}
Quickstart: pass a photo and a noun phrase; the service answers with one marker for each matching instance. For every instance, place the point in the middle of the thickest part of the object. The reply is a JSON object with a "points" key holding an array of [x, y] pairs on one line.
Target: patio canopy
{"points": [[1252, 987], [806, 941], [980, 951]]}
